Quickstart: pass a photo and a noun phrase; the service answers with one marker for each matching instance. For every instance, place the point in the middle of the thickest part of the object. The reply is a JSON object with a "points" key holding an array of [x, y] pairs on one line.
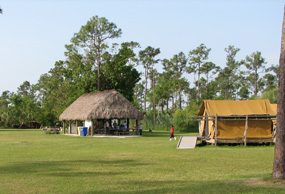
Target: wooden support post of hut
{"points": [[92, 127], [137, 127], [63, 127], [76, 123]]}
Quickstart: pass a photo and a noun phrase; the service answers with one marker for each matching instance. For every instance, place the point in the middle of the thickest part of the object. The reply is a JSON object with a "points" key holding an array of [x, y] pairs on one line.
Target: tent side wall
{"points": [[202, 126], [235, 129]]}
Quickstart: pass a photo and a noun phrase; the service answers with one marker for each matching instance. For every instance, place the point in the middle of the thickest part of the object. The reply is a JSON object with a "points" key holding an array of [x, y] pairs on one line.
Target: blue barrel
{"points": [[83, 131]]}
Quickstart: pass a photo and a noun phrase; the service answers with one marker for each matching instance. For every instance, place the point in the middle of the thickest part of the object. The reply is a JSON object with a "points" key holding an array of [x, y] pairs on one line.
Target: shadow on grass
{"points": [[69, 168], [89, 169], [234, 145], [195, 187], [86, 174], [19, 130]]}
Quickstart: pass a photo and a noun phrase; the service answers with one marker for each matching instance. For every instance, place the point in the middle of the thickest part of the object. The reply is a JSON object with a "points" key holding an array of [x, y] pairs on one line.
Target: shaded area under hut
{"points": [[106, 112]]}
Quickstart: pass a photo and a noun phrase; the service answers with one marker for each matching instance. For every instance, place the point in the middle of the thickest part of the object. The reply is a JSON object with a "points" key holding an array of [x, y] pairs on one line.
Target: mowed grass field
{"points": [[32, 162]]}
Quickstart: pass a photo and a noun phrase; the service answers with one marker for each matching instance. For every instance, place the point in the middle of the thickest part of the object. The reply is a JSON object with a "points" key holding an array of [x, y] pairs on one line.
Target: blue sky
{"points": [[33, 32]]}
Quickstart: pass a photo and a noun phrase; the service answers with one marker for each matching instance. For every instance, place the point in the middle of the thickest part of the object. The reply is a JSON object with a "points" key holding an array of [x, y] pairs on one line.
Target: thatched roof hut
{"points": [[101, 105]]}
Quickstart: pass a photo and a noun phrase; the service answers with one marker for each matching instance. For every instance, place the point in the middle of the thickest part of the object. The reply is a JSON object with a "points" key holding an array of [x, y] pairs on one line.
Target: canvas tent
{"points": [[100, 105], [274, 107], [234, 121]]}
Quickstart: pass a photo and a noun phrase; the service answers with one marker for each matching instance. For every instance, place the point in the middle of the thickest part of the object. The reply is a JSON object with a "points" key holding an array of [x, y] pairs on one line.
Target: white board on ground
{"points": [[187, 142]]}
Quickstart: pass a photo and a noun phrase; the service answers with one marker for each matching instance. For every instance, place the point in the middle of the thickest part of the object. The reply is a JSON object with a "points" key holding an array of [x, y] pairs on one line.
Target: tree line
{"points": [[170, 90], [93, 64]]}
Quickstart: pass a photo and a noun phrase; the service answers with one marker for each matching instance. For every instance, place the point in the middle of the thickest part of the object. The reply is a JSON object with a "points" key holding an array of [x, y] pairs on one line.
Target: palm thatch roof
{"points": [[101, 105]]}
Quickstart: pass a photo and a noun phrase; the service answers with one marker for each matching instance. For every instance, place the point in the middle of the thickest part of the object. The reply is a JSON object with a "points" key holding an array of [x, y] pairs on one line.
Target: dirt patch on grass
{"points": [[262, 182], [265, 182]]}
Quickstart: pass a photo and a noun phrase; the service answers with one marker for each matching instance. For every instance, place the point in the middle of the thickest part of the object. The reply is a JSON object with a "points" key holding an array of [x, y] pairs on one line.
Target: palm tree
{"points": [[279, 156]]}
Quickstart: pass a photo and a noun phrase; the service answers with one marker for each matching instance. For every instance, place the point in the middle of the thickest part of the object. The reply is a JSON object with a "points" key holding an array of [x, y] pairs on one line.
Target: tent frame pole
{"points": [[245, 131], [216, 129]]}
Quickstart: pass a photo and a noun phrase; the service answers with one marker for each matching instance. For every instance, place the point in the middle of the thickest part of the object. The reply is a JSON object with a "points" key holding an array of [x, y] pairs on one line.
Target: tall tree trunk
{"points": [[173, 108], [255, 89], [167, 105], [153, 88], [145, 88], [180, 99], [207, 83], [198, 93], [99, 77], [158, 105], [176, 99], [98, 71], [279, 156], [227, 89]]}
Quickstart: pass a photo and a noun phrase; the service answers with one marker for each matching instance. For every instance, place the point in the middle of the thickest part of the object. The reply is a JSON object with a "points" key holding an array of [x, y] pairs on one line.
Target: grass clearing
{"points": [[32, 162]]}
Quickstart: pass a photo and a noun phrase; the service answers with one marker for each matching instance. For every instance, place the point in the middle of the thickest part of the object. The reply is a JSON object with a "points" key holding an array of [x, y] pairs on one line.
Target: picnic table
{"points": [[51, 130], [121, 131]]}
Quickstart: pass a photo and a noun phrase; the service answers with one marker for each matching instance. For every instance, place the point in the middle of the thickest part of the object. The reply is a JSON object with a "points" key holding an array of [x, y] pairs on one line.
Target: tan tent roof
{"points": [[232, 108], [101, 105], [274, 106]]}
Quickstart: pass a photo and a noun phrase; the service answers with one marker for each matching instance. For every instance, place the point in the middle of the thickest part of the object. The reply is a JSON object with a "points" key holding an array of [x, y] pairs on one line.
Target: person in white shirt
{"points": [[140, 128], [125, 125], [115, 125]]}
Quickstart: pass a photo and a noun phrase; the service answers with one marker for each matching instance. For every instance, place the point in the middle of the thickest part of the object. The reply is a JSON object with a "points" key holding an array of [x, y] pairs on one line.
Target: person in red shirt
{"points": [[172, 133]]}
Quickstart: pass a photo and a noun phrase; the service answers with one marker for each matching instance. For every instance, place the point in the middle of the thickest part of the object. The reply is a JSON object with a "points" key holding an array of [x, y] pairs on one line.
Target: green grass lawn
{"points": [[32, 162]]}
